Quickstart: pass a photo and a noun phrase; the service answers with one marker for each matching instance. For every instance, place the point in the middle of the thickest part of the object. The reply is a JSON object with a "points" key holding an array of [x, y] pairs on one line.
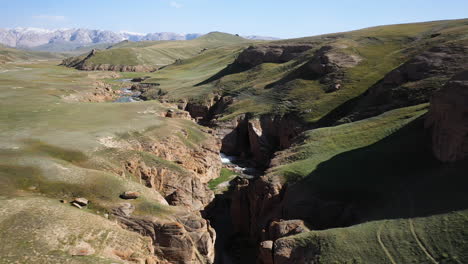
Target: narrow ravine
{"points": [[230, 247], [247, 146]]}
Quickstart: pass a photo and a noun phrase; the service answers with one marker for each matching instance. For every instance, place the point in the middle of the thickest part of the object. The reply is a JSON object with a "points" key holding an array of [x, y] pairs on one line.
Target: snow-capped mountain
{"points": [[255, 37], [35, 37], [69, 39]]}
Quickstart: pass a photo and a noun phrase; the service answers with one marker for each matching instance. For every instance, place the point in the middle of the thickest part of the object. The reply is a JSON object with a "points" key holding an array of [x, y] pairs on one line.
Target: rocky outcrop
{"points": [[258, 138], [448, 120], [178, 114], [206, 111], [327, 65], [84, 63], [102, 92], [179, 238], [275, 53], [118, 68], [283, 228], [287, 250], [179, 187], [328, 59]]}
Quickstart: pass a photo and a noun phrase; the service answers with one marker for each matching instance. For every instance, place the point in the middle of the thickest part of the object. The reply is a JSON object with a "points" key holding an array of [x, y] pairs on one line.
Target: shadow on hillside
{"points": [[397, 177], [345, 109], [232, 68], [300, 73]]}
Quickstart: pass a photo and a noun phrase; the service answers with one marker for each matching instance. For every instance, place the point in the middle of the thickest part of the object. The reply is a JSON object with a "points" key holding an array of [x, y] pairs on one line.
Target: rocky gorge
{"points": [[265, 209], [340, 148]]}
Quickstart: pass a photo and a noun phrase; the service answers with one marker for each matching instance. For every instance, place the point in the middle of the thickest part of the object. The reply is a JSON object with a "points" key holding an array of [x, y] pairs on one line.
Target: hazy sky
{"points": [[287, 18]]}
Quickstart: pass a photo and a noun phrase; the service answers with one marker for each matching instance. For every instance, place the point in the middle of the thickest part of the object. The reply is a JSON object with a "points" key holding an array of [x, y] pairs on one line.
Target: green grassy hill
{"points": [[158, 53], [11, 55], [361, 173], [290, 88], [377, 176], [53, 149]]}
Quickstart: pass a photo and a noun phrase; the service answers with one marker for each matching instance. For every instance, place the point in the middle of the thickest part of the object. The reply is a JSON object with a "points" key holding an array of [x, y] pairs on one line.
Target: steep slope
{"points": [[150, 56]]}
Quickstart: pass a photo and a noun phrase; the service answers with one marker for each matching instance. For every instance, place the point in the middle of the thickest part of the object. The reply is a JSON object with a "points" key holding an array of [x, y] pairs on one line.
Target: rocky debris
{"points": [[412, 83], [81, 201], [180, 239], [82, 249], [448, 120], [130, 195], [274, 53]]}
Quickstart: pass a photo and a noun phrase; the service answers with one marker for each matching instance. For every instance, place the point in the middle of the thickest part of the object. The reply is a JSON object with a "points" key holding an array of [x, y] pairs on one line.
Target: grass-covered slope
{"points": [[381, 174], [52, 150], [431, 239], [291, 87], [11, 55], [155, 54]]}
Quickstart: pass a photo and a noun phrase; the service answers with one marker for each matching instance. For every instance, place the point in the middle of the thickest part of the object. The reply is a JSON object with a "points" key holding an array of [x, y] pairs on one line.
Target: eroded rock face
{"points": [[258, 138], [205, 112], [183, 238], [255, 55], [186, 188], [448, 120]]}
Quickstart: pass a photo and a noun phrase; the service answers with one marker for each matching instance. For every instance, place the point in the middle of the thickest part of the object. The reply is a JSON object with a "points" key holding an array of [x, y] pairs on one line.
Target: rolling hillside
{"points": [[360, 166], [150, 55], [11, 55], [353, 148]]}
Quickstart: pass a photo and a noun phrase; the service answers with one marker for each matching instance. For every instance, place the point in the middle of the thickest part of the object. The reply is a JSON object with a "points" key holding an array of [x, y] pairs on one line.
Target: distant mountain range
{"points": [[70, 39]]}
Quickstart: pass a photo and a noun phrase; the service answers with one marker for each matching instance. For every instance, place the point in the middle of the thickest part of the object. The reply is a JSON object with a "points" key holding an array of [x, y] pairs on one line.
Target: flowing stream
{"points": [[127, 95]]}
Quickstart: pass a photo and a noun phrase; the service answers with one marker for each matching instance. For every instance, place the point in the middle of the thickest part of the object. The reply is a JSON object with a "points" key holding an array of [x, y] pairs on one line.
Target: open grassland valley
{"points": [[340, 148]]}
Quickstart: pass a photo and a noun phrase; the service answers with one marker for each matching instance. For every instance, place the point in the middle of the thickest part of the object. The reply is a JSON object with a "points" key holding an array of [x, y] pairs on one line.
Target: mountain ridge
{"points": [[70, 39]]}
